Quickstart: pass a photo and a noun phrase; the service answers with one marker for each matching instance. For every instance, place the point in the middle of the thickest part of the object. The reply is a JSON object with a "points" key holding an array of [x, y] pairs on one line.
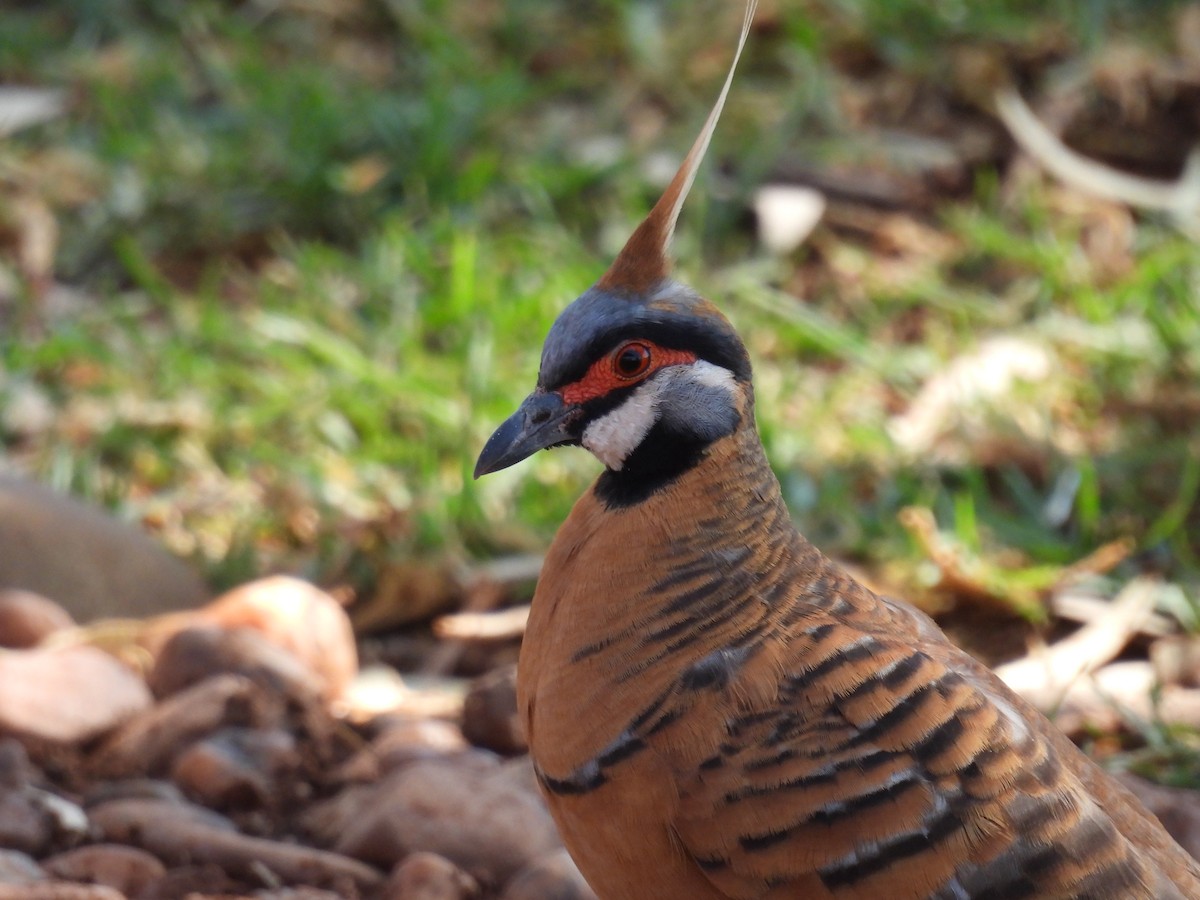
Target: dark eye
{"points": [[631, 360]]}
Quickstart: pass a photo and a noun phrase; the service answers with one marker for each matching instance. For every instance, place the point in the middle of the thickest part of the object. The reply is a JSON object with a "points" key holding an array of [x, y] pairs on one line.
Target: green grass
{"points": [[316, 253]]}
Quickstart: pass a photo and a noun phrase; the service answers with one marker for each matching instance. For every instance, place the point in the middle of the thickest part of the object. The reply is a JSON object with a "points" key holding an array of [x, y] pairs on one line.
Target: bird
{"points": [[716, 710]]}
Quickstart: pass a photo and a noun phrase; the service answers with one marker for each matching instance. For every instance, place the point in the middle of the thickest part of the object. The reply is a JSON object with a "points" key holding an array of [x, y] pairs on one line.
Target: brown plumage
{"points": [[714, 709]]}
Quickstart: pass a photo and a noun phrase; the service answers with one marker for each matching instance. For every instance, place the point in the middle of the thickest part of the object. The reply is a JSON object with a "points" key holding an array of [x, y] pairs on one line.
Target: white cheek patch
{"points": [[614, 436]]}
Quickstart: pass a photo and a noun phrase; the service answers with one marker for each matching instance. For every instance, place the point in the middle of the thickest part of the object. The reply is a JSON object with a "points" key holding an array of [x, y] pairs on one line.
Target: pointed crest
{"points": [[643, 261]]}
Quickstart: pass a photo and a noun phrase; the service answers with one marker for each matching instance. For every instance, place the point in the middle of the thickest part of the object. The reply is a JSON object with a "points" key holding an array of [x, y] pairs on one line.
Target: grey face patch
{"points": [[704, 404], [696, 401]]}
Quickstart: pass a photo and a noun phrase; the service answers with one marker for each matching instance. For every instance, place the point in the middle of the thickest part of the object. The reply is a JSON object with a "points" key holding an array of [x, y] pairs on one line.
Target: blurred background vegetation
{"points": [[278, 267]]}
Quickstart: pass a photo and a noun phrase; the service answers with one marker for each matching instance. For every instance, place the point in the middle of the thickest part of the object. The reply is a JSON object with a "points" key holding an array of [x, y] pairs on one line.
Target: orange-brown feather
{"points": [[643, 261], [850, 724]]}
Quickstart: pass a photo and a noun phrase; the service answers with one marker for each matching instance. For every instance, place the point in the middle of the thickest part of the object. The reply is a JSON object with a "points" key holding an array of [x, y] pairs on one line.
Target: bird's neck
{"points": [[680, 437], [711, 558], [645, 591], [731, 525]]}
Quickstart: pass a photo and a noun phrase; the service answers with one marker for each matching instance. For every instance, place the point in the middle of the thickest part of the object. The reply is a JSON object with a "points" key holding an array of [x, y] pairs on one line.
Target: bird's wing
{"points": [[892, 765]]}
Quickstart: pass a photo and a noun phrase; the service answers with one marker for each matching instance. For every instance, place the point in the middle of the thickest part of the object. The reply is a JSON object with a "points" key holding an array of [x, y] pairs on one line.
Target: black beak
{"points": [[542, 420]]}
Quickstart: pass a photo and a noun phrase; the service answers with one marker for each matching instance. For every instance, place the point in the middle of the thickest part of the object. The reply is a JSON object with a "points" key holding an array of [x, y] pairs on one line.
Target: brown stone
{"points": [[328, 820], [553, 876], [121, 821], [400, 741], [66, 695], [185, 834], [60, 890], [236, 767], [148, 743], [196, 882], [427, 876], [18, 868], [295, 893], [125, 869], [26, 618], [471, 814], [519, 773], [15, 769], [132, 789], [193, 654], [490, 712], [298, 616]]}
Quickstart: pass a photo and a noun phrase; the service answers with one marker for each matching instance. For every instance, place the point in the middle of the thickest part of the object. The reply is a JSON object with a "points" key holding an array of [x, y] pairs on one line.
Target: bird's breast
{"points": [[610, 636]]}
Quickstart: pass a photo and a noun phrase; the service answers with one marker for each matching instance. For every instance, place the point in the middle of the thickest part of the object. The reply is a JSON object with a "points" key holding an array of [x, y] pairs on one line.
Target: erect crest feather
{"points": [[643, 261]]}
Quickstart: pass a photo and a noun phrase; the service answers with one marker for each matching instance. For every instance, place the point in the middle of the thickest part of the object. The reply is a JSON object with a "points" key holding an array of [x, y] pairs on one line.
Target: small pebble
{"points": [[132, 789], [15, 769], [62, 890], [68, 822], [401, 741], [427, 876], [24, 825], [124, 821], [127, 869], [490, 712], [194, 654], [550, 877], [471, 814], [148, 743], [66, 695], [18, 868], [236, 767], [27, 618], [297, 616]]}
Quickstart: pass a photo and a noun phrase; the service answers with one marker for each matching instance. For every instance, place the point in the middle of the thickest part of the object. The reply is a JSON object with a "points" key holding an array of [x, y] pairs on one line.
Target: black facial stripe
{"points": [[600, 406], [659, 459]]}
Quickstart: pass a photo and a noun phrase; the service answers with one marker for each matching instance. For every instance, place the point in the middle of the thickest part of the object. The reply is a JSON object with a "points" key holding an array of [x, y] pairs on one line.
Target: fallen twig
{"points": [[1086, 609], [503, 624], [1178, 199], [1045, 677], [1125, 691]]}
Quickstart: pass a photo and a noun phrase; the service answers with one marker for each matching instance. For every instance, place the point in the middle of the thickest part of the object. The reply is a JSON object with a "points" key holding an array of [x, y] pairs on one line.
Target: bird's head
{"points": [[645, 383], [640, 369]]}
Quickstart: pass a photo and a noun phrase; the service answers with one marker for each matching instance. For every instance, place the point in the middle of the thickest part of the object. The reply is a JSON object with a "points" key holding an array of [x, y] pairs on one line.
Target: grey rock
{"points": [[87, 561]]}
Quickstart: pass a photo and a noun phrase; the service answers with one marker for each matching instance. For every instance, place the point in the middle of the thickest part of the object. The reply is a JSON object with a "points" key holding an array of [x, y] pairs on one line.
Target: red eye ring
{"points": [[631, 360]]}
